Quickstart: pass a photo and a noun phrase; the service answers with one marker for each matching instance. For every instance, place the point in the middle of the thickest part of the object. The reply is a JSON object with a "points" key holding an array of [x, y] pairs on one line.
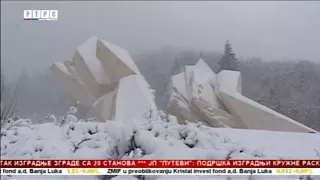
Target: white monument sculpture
{"points": [[216, 100], [104, 77]]}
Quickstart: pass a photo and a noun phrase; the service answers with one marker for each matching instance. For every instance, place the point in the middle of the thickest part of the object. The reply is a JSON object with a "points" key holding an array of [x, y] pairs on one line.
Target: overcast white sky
{"points": [[271, 30]]}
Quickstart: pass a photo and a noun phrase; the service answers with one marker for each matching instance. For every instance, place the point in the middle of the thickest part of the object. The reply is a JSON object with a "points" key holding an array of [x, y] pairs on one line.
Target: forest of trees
{"points": [[289, 87]]}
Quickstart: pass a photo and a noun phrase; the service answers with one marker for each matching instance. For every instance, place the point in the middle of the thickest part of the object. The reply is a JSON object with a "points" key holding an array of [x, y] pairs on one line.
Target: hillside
{"points": [[152, 139]]}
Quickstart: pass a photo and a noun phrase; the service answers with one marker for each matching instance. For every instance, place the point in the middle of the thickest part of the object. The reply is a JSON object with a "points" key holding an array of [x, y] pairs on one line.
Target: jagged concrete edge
{"points": [[231, 95], [77, 90], [110, 57]]}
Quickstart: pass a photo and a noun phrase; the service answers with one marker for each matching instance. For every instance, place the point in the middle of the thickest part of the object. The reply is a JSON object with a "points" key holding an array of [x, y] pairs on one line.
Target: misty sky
{"points": [[270, 30]]}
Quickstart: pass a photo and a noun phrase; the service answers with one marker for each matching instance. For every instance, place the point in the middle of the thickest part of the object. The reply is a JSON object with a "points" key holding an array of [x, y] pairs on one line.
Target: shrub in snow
{"points": [[159, 138], [72, 110], [52, 118], [70, 116], [13, 123], [172, 119]]}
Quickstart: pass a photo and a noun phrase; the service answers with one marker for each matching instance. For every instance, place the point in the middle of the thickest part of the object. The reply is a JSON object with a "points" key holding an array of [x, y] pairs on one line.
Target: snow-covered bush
{"points": [[70, 116], [159, 138], [8, 102]]}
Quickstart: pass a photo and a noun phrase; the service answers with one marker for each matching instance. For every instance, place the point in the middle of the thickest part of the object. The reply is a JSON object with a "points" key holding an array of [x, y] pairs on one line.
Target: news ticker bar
{"points": [[160, 171], [160, 164]]}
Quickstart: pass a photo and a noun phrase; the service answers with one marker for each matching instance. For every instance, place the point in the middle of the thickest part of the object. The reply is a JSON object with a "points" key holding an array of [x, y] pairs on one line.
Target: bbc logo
{"points": [[40, 15]]}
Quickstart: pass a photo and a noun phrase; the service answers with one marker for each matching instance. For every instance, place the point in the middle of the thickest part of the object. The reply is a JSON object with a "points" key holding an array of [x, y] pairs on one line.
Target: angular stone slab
{"points": [[194, 98], [71, 69], [203, 84], [179, 107], [249, 113], [116, 61], [179, 84], [77, 90], [188, 72], [210, 115], [134, 99], [89, 69], [104, 108], [207, 105], [202, 73]]}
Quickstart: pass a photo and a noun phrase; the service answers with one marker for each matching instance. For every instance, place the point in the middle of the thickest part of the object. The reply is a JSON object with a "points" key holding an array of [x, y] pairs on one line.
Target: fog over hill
{"points": [[283, 35], [270, 30]]}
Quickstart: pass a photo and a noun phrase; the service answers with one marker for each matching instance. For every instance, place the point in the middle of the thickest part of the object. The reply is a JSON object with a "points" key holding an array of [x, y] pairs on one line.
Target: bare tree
{"points": [[8, 101]]}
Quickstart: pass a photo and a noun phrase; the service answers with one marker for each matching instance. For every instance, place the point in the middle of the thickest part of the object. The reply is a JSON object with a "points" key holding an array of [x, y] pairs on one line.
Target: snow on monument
{"points": [[116, 61], [87, 67], [104, 107], [194, 97], [78, 91], [216, 100], [104, 77], [134, 99], [249, 113]]}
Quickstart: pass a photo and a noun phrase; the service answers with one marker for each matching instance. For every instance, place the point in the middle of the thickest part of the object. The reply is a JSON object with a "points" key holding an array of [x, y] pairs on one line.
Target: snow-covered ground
{"points": [[160, 138]]}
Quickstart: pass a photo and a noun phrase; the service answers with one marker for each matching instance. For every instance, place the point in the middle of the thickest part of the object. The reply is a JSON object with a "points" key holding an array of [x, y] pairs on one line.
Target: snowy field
{"points": [[150, 139]]}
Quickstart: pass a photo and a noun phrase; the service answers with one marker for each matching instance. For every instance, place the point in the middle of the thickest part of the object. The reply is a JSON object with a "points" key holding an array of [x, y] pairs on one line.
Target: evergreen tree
{"points": [[228, 61]]}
